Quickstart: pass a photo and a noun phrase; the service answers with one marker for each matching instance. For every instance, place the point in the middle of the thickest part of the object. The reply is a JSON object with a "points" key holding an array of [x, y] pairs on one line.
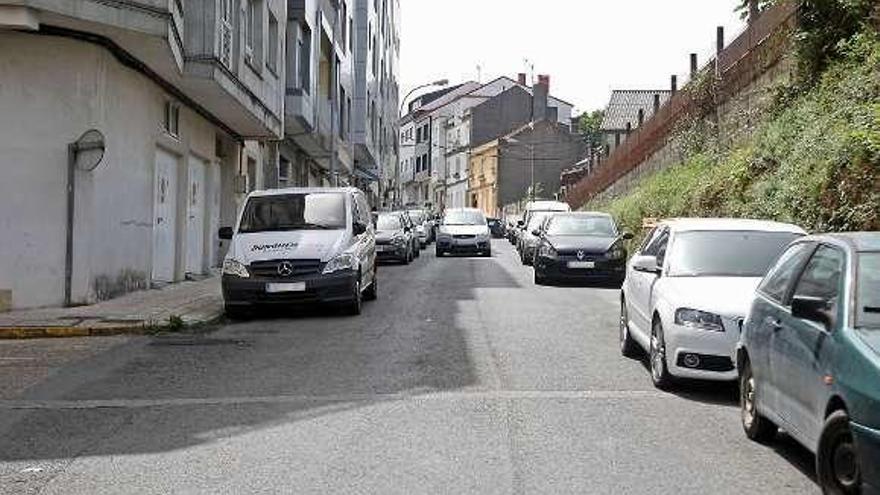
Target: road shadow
{"points": [[190, 389], [715, 393], [589, 284]]}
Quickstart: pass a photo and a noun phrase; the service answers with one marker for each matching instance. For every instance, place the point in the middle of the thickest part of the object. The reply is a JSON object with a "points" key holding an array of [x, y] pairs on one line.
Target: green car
{"points": [[809, 357]]}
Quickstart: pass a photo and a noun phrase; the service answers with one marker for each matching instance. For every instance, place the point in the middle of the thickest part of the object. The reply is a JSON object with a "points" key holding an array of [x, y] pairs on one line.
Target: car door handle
{"points": [[775, 324]]}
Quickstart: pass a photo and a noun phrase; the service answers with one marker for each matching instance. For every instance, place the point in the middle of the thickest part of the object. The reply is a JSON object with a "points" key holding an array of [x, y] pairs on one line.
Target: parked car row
{"points": [[794, 318]]}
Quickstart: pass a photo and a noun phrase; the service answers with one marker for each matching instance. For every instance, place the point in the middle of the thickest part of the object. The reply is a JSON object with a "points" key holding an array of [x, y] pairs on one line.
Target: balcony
{"points": [[186, 47]]}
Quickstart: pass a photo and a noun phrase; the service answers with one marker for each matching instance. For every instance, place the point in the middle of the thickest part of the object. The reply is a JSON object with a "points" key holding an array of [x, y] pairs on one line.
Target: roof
{"points": [[860, 241], [625, 104], [693, 224]]}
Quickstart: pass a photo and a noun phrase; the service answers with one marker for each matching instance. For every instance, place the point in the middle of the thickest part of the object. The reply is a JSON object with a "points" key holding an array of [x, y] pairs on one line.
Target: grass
{"points": [[814, 160]]}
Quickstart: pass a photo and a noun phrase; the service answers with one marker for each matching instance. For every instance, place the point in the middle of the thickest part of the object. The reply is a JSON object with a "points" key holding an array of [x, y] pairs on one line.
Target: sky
{"points": [[588, 47]]}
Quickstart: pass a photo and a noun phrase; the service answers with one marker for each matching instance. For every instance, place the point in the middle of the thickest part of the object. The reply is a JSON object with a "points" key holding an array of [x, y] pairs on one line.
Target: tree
{"points": [[743, 7], [588, 126]]}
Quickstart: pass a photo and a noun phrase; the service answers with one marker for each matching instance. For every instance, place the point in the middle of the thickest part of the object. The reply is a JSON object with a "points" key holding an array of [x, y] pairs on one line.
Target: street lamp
{"points": [[439, 82]]}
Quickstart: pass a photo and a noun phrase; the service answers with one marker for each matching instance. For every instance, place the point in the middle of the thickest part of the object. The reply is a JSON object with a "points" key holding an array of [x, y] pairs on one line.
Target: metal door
{"points": [[195, 216], [164, 216]]}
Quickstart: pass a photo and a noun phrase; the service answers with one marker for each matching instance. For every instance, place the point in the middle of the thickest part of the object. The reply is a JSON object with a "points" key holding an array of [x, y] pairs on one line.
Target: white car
{"points": [[688, 289]]}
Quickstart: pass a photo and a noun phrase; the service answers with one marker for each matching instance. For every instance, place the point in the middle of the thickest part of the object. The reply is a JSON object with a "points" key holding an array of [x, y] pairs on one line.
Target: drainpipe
{"points": [[71, 191]]}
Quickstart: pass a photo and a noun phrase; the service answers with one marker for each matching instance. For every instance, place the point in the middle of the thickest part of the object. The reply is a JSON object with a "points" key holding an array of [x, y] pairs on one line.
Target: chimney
{"points": [[629, 128], [539, 98], [656, 102], [719, 39], [521, 78], [693, 65], [674, 83], [641, 116]]}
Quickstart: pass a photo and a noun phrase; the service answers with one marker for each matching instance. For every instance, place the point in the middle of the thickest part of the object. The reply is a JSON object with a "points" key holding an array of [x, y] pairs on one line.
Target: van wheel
{"points": [[756, 426], [356, 305], [372, 292], [236, 312], [837, 460]]}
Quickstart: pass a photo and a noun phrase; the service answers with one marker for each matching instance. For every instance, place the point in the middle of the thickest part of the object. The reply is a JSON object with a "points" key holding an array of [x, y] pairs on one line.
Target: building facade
{"points": [[188, 98], [483, 178], [447, 127]]}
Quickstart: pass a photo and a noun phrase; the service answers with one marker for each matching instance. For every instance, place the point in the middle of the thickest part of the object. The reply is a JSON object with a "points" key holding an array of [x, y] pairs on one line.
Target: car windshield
{"points": [[298, 211], [388, 222], [417, 216], [868, 295], [726, 253], [464, 217], [582, 225]]}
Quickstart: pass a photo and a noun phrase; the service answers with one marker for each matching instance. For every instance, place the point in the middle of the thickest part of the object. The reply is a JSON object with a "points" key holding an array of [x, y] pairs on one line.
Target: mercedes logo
{"points": [[285, 269], [580, 255]]}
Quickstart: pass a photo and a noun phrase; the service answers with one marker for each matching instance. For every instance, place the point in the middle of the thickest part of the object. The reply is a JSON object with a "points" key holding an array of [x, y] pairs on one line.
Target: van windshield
{"points": [[298, 211]]}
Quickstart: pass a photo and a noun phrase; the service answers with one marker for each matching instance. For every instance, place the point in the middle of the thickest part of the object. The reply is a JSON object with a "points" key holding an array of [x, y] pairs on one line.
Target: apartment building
{"points": [[186, 99]]}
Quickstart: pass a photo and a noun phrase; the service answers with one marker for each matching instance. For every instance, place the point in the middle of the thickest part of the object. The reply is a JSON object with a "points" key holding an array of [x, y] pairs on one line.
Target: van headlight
{"points": [[235, 269], [345, 261], [701, 320]]}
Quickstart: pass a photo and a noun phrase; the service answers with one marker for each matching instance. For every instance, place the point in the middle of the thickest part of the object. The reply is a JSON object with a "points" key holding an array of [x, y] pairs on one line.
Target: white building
{"points": [[183, 93]]}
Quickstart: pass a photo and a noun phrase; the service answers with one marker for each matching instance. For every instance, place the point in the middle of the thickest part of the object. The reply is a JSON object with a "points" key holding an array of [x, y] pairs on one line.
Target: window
{"points": [[253, 32], [225, 38], [726, 253], [868, 295], [305, 58], [251, 174], [283, 172], [351, 35], [821, 277], [343, 23], [171, 122], [657, 246], [778, 280], [272, 58]]}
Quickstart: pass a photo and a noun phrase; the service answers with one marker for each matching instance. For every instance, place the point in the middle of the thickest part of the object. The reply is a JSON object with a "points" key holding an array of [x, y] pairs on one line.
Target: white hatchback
{"points": [[688, 289]]}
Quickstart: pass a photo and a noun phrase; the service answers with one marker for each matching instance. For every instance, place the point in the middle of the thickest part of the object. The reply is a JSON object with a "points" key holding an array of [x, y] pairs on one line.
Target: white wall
{"points": [[53, 89]]}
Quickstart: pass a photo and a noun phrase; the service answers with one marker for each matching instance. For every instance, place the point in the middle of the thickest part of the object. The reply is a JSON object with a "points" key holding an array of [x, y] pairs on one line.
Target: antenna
{"points": [[479, 73]]}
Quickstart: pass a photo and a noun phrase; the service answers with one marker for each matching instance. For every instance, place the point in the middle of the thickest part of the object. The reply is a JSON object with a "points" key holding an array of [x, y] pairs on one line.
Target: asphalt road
{"points": [[463, 377]]}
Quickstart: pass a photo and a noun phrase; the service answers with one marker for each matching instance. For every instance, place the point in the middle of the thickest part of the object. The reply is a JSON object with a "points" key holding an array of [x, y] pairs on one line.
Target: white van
{"points": [[300, 246]]}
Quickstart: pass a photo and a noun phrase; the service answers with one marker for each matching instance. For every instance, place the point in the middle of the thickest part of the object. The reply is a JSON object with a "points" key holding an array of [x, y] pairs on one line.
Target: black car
{"points": [[393, 238], [496, 228], [580, 247]]}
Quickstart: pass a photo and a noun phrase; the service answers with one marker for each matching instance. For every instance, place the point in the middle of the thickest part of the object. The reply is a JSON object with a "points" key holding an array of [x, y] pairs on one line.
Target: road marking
{"points": [[282, 399]]}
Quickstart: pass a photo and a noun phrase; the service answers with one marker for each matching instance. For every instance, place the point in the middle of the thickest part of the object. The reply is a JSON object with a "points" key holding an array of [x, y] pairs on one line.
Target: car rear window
{"points": [[388, 222], [868, 293]]}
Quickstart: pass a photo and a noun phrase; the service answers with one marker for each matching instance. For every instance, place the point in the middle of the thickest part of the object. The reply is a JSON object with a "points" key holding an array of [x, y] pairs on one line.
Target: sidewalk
{"points": [[138, 312]]}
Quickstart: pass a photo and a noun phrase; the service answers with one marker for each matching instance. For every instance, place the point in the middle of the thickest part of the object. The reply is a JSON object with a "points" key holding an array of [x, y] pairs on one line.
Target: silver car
{"points": [[464, 230]]}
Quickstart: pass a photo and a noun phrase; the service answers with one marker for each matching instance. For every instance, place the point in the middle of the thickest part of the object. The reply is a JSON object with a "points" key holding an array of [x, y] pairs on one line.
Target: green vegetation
{"points": [[814, 160], [588, 125]]}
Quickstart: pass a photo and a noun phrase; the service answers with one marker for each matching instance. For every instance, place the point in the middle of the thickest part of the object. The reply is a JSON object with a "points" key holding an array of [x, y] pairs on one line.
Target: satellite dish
{"points": [[89, 150]]}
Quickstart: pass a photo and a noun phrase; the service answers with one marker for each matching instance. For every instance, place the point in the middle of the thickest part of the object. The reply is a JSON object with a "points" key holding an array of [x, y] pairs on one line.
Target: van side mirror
{"points": [[225, 233], [520, 223], [626, 236], [812, 309], [358, 228], [536, 232], [646, 264]]}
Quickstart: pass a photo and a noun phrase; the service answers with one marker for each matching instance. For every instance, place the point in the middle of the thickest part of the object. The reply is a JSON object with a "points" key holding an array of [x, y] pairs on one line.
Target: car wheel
{"points": [[236, 312], [487, 254], [408, 257], [417, 253], [372, 292], [837, 460], [356, 304], [756, 426], [627, 345], [437, 252], [659, 371]]}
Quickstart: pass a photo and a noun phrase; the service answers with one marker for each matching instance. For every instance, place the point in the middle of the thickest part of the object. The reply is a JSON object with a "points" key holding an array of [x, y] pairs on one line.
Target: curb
{"points": [[96, 329]]}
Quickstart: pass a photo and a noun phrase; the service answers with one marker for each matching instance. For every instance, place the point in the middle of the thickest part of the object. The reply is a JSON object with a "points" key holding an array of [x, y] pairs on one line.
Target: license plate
{"points": [[291, 287], [582, 264], [381, 249]]}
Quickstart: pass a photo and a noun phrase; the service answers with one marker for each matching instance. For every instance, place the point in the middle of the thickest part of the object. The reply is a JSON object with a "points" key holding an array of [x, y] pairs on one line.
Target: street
{"points": [[464, 377]]}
